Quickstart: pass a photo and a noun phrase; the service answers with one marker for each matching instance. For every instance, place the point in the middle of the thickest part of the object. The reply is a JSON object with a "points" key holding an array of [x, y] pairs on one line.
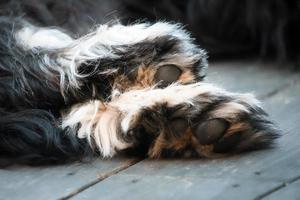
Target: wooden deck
{"points": [[268, 174]]}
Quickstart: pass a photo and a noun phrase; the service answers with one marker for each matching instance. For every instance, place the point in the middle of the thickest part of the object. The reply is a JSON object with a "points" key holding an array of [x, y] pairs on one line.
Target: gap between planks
{"points": [[101, 177], [278, 90], [281, 186]]}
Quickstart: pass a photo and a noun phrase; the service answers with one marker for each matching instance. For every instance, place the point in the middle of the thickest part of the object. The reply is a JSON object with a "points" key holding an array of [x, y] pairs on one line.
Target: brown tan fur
{"points": [[145, 78]]}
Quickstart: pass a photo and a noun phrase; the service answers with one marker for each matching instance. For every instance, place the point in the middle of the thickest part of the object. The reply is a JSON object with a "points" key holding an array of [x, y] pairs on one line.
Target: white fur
{"points": [[35, 38], [97, 123], [132, 102], [229, 111], [32, 37], [103, 43]]}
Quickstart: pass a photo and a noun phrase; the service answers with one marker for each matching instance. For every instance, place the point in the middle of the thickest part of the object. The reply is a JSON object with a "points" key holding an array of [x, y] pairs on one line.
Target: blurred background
{"points": [[264, 29]]}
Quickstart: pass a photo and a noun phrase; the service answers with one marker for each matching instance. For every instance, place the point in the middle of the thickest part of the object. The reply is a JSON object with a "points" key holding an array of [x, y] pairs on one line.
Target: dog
{"points": [[117, 88]]}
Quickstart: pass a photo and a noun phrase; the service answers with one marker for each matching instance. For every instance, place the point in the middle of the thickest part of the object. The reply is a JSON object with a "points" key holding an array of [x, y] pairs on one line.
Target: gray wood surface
{"points": [[249, 176], [55, 182], [259, 78], [289, 191], [268, 174]]}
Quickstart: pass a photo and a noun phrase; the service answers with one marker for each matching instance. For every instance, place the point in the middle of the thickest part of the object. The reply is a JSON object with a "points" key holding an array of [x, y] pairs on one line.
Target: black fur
{"points": [[34, 137], [29, 127], [226, 28]]}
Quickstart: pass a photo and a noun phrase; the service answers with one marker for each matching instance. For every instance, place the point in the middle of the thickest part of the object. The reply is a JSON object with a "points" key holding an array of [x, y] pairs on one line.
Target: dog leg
{"points": [[195, 120]]}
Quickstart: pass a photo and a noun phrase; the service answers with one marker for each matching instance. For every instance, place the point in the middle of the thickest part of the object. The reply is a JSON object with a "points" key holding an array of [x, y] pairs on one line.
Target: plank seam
{"points": [[100, 178], [278, 90], [279, 187]]}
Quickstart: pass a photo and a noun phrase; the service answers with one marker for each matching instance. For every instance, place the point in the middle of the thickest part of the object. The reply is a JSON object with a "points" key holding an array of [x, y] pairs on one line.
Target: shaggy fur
{"points": [[136, 87]]}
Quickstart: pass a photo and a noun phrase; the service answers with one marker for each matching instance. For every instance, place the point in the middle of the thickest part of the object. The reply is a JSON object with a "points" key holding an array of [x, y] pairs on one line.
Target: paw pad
{"points": [[178, 126], [210, 131], [167, 74]]}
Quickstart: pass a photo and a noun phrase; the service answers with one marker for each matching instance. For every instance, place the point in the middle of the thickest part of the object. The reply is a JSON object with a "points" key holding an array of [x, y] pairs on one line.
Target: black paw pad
{"points": [[211, 131], [178, 126], [227, 144], [167, 74]]}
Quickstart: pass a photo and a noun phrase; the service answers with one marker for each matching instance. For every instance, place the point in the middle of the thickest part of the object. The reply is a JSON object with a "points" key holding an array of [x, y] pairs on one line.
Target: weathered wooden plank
{"points": [[288, 192], [247, 176], [253, 76], [170, 187], [56, 181]]}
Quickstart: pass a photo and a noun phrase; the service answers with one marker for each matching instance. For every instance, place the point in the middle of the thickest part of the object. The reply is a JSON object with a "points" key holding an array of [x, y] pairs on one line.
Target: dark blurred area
{"points": [[267, 29]]}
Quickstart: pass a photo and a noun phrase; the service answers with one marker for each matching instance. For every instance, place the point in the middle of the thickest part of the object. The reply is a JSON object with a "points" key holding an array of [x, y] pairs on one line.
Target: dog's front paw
{"points": [[196, 120]]}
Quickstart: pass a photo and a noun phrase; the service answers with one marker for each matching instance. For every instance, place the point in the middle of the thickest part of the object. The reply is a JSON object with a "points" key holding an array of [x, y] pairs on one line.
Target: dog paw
{"points": [[226, 127], [197, 120]]}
